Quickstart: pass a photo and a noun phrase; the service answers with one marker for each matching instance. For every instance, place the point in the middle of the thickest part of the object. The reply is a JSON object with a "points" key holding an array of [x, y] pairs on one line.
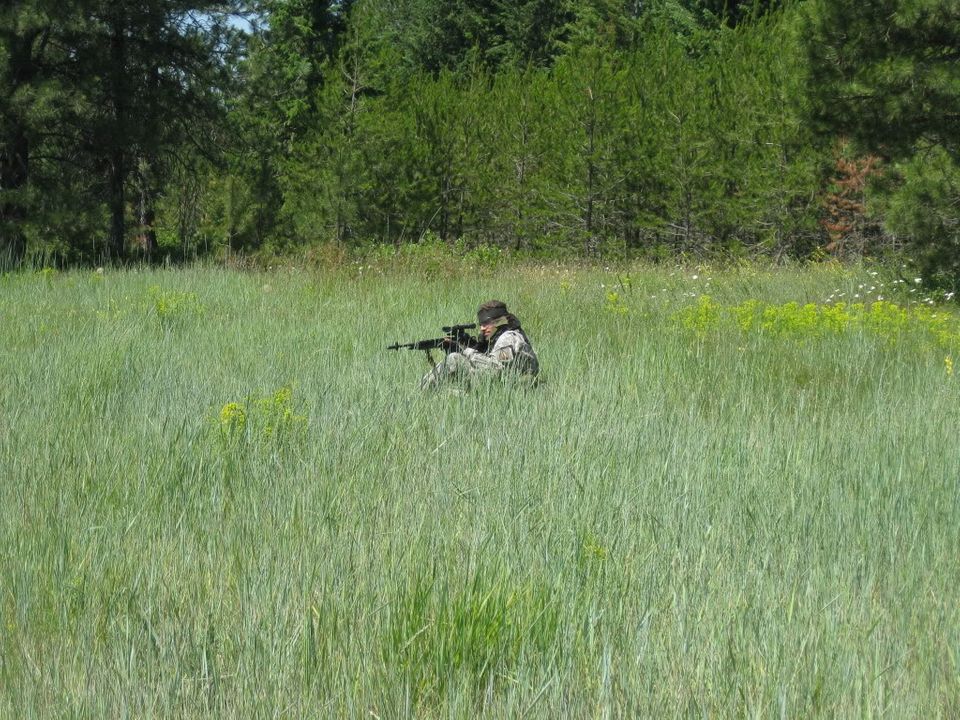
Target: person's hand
{"points": [[449, 343]]}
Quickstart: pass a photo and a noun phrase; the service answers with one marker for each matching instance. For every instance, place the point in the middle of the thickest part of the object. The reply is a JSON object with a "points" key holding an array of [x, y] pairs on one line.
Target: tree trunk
{"points": [[117, 201], [146, 210], [591, 129], [15, 155], [14, 158], [116, 248], [147, 233]]}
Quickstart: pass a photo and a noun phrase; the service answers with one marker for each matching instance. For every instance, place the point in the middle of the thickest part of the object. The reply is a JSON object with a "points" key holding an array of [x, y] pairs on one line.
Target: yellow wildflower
{"points": [[233, 416]]}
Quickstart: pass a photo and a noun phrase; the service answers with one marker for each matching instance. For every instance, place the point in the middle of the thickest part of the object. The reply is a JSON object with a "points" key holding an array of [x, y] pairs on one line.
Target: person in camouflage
{"points": [[503, 349]]}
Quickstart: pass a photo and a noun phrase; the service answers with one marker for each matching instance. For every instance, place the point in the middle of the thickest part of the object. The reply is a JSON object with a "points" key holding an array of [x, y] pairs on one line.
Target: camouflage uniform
{"points": [[509, 353]]}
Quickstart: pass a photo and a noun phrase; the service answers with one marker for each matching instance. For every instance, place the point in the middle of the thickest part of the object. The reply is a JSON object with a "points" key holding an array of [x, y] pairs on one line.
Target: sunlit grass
{"points": [[222, 496]]}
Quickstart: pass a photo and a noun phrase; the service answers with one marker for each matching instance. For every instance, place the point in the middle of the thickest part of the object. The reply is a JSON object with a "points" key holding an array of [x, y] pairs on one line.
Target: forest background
{"points": [[170, 130]]}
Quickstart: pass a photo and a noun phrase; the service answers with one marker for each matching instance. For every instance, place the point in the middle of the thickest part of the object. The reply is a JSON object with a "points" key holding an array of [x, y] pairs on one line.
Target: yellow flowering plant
{"points": [[270, 417], [881, 319]]}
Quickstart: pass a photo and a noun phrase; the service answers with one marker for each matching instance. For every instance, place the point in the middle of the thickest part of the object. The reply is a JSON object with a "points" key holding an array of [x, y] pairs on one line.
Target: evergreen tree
{"points": [[523, 126], [275, 118], [589, 173], [30, 98], [323, 177], [732, 12], [467, 35], [98, 96], [886, 74]]}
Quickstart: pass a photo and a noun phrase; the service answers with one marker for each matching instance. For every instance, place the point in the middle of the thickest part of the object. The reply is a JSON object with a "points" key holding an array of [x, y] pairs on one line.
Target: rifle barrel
{"points": [[457, 332], [418, 345]]}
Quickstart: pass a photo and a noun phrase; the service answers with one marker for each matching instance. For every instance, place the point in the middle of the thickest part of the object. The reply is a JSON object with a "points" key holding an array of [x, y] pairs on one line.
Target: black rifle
{"points": [[455, 338]]}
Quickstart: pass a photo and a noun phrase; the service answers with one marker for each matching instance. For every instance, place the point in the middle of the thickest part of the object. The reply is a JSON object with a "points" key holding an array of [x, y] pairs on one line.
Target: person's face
{"points": [[487, 328]]}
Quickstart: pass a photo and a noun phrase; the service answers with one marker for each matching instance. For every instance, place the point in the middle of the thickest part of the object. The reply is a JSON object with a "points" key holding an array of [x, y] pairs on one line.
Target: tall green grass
{"points": [[222, 497]]}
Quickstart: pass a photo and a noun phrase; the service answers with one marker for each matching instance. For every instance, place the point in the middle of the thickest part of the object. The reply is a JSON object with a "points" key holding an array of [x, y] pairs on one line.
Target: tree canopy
{"points": [[176, 128], [886, 75]]}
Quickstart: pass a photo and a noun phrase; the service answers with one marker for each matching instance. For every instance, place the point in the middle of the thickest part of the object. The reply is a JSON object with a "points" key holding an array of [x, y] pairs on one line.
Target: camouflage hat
{"points": [[490, 311]]}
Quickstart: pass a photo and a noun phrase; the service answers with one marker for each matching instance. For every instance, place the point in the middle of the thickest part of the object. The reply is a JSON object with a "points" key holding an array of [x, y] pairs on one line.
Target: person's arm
{"points": [[483, 361], [507, 348]]}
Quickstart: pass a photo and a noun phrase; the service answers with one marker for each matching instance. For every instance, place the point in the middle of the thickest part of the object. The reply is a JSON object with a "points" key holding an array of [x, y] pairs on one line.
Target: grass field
{"points": [[730, 496]]}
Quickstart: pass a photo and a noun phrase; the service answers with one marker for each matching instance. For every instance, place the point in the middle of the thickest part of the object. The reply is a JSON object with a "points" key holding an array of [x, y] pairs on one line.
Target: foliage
{"points": [[272, 418], [881, 318], [169, 306], [845, 210], [176, 130], [100, 101], [885, 74], [925, 208]]}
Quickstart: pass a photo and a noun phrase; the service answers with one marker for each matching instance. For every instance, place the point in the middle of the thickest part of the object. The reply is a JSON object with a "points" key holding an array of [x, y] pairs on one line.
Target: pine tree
{"points": [[886, 75], [98, 96]]}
